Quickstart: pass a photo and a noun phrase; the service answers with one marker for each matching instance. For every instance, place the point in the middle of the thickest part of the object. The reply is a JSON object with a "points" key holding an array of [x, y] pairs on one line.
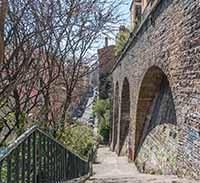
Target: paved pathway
{"points": [[112, 169]]}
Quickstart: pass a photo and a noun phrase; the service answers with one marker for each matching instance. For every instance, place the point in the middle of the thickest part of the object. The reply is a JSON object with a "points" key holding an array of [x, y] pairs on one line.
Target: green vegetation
{"points": [[121, 41], [162, 172], [102, 110], [173, 162], [78, 138]]}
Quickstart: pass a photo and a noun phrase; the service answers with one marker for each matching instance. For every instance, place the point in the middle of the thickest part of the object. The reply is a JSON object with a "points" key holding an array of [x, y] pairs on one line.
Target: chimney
{"points": [[106, 41]]}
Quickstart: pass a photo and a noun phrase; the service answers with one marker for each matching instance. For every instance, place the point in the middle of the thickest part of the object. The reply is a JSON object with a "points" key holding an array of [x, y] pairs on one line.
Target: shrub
{"points": [[121, 41], [102, 110], [78, 138]]}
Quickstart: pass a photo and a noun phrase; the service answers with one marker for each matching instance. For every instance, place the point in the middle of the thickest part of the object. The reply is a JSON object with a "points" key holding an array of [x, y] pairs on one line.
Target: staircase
{"points": [[110, 168], [36, 157]]}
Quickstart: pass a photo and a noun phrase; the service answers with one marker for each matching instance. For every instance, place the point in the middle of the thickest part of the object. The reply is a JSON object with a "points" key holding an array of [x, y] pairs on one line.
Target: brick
{"points": [[166, 48]]}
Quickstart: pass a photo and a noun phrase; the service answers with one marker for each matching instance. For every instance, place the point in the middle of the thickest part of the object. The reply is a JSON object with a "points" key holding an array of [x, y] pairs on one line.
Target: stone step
{"points": [[113, 169]]}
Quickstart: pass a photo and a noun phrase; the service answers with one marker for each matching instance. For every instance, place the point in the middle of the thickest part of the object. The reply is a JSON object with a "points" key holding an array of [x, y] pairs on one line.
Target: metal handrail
{"points": [[37, 157], [5, 152]]}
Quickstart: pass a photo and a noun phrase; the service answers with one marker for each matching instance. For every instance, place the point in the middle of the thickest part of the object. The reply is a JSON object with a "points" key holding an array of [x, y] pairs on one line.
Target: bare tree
{"points": [[16, 77], [91, 20], [49, 47]]}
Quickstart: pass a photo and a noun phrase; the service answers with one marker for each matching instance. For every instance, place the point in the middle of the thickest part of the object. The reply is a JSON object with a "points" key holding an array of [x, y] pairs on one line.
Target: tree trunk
{"points": [[3, 10], [65, 109]]}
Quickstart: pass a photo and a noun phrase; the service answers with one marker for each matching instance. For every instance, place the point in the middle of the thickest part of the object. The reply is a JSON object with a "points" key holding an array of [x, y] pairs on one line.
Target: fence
{"points": [[35, 157]]}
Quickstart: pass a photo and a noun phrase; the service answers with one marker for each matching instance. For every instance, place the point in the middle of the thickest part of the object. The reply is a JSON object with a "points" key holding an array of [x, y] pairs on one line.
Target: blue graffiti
{"points": [[193, 135]]}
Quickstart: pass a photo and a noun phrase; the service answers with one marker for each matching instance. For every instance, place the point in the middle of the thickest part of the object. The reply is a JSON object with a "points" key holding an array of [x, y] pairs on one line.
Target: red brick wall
{"points": [[107, 59], [144, 4], [167, 40], [135, 12]]}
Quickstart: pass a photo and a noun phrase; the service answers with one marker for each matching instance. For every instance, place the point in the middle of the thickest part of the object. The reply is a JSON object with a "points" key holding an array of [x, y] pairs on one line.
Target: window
{"points": [[138, 11]]}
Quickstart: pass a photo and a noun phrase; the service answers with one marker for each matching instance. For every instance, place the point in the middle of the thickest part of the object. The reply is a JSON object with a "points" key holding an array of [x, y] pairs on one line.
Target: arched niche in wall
{"points": [[156, 130], [124, 119], [115, 115]]}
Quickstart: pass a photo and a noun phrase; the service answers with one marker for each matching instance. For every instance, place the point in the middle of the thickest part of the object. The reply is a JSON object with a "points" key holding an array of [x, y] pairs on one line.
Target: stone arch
{"points": [[155, 123], [124, 118], [115, 115]]}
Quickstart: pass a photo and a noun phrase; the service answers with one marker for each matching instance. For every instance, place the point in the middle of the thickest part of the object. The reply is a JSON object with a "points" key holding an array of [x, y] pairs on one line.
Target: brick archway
{"points": [[156, 119], [124, 119], [115, 116], [174, 49]]}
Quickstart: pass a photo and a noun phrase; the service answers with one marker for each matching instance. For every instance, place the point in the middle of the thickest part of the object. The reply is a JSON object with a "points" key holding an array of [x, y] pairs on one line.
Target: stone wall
{"points": [[158, 154], [169, 42]]}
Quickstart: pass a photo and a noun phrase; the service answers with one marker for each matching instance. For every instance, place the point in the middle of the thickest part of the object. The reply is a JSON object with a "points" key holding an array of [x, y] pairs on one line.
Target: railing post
{"points": [[23, 162], [17, 165], [9, 172], [44, 160], [48, 161], [54, 163], [90, 159], [1, 164], [34, 158], [38, 158], [28, 164]]}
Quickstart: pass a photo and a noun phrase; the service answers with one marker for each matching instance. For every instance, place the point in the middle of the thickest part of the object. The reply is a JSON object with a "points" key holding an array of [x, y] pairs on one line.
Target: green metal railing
{"points": [[35, 157]]}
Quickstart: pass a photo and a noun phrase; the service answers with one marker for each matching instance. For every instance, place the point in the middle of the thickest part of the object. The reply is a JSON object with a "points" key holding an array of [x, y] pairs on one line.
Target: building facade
{"points": [[107, 60]]}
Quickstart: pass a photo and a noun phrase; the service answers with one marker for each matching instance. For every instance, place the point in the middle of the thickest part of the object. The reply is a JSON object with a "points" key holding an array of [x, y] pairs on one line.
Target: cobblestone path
{"points": [[113, 169]]}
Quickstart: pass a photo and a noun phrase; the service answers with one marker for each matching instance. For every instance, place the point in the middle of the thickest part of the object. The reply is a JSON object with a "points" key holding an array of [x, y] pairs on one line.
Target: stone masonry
{"points": [[161, 64]]}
